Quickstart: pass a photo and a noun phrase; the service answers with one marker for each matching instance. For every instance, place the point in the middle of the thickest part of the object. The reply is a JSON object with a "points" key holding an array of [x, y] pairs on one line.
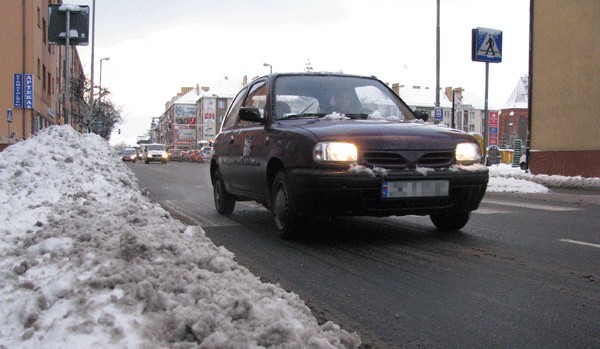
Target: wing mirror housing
{"points": [[251, 114], [421, 114]]}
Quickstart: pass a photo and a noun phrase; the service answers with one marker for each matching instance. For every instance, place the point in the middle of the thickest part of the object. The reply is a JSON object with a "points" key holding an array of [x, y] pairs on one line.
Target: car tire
{"points": [[449, 222], [224, 202], [287, 221], [523, 166]]}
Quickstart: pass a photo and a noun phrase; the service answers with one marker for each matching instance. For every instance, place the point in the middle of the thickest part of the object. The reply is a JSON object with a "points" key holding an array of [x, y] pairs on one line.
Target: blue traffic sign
{"points": [[439, 116], [28, 91], [18, 91], [486, 45]]}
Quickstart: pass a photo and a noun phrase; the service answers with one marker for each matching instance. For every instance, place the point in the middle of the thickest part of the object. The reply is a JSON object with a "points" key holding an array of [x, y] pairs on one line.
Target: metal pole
{"points": [[437, 58], [452, 117], [486, 117], [100, 83], [68, 71], [92, 65]]}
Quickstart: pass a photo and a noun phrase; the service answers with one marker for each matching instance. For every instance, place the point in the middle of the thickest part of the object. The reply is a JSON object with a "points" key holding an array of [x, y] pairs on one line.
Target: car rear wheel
{"points": [[449, 222], [224, 202], [288, 222]]}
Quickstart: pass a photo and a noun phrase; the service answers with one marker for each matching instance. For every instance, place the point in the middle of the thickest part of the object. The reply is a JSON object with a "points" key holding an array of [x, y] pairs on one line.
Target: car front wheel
{"points": [[451, 221], [224, 202], [288, 222]]}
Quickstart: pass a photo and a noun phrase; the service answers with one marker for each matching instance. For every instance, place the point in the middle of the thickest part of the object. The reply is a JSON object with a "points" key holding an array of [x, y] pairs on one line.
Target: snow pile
{"points": [[87, 261], [504, 177]]}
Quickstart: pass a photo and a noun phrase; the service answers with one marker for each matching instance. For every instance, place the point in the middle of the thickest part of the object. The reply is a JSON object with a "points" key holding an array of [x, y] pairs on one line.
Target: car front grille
{"points": [[412, 159], [437, 159], [386, 160]]}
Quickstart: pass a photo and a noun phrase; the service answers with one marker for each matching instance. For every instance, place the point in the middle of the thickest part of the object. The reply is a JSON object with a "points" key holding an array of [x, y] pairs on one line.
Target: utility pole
{"points": [[437, 57], [91, 118]]}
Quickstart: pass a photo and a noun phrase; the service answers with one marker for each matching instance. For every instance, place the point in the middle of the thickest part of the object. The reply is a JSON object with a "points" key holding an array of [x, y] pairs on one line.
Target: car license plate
{"points": [[412, 189]]}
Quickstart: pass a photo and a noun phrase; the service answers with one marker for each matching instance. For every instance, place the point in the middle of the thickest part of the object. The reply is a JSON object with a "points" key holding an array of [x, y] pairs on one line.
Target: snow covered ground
{"points": [[505, 178], [88, 261]]}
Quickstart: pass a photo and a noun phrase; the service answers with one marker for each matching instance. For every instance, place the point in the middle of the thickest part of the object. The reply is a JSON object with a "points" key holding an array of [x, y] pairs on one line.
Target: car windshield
{"points": [[155, 147], [128, 151], [311, 96]]}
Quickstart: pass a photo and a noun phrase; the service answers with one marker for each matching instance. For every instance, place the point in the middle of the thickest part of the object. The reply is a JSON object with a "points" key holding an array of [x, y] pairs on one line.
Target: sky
{"points": [[157, 47], [88, 261]]}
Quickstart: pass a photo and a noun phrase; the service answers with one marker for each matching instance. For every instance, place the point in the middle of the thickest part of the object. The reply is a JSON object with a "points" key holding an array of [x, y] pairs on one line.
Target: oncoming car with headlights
{"points": [[312, 144], [155, 152]]}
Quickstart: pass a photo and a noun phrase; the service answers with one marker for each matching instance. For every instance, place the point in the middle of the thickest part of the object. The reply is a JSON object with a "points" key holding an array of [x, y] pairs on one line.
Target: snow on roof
{"points": [[226, 87], [88, 261], [519, 97], [191, 97]]}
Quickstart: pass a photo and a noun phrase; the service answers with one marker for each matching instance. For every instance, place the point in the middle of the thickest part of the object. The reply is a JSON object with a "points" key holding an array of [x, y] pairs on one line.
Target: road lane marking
{"points": [[579, 242], [532, 206], [490, 211]]}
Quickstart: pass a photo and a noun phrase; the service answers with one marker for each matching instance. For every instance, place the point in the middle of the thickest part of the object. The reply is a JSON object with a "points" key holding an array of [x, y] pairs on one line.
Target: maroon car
{"points": [[312, 144]]}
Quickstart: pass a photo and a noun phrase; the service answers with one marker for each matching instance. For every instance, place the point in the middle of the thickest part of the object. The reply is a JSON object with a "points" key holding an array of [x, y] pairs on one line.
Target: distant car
{"points": [[176, 155], [155, 153], [311, 144], [205, 154], [129, 154]]}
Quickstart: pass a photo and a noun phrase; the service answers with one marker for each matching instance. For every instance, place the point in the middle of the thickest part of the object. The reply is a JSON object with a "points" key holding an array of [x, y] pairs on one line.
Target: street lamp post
{"points": [[100, 85], [270, 67]]}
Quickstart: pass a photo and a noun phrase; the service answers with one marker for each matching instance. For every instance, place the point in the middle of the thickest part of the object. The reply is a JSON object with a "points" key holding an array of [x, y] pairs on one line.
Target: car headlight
{"points": [[165, 155], [335, 151], [467, 153]]}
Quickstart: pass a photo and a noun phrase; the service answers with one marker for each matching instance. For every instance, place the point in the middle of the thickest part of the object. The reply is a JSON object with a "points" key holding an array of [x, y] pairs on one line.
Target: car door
{"points": [[224, 142], [246, 160]]}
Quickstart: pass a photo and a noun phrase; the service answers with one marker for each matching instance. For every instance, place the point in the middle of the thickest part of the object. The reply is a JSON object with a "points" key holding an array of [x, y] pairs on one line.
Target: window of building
{"points": [[39, 16], [49, 83], [43, 77], [39, 69], [44, 30]]}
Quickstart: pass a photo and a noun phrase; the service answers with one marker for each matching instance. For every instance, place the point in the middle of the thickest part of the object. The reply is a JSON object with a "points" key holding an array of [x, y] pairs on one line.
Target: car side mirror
{"points": [[251, 114], [421, 114]]}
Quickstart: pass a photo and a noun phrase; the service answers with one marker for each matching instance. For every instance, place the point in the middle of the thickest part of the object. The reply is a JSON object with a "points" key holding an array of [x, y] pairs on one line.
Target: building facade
{"points": [[32, 72], [514, 116], [565, 85], [468, 109]]}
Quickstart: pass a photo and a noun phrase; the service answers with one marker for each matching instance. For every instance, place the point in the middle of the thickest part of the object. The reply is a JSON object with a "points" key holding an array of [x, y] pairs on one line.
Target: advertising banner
{"points": [[208, 121]]}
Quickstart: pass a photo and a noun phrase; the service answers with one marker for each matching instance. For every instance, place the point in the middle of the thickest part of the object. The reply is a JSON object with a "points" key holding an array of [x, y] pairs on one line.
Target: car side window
{"points": [[234, 112], [257, 98]]}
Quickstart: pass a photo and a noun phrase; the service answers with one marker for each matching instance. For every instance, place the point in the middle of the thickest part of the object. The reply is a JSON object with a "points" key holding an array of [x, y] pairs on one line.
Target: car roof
{"points": [[333, 74]]}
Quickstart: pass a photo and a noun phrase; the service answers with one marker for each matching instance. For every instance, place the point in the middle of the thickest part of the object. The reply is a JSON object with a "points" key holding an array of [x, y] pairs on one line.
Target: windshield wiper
{"points": [[302, 115], [357, 116]]}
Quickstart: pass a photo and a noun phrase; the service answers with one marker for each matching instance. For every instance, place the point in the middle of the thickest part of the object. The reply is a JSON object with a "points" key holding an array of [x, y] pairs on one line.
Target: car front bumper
{"points": [[319, 192]]}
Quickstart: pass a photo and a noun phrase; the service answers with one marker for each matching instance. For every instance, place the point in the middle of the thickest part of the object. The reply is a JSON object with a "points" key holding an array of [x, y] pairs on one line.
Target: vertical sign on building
{"points": [[493, 132], [28, 91], [210, 110], [18, 91]]}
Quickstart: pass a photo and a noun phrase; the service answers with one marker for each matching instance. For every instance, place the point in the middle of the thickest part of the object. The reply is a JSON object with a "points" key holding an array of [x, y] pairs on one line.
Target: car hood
{"points": [[383, 134]]}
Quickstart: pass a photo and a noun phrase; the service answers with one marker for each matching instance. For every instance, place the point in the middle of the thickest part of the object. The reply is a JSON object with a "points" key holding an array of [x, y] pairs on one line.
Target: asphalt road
{"points": [[524, 273]]}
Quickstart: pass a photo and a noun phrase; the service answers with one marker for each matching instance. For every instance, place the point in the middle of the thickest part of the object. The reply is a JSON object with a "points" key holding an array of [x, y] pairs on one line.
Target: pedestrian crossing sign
{"points": [[486, 45]]}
